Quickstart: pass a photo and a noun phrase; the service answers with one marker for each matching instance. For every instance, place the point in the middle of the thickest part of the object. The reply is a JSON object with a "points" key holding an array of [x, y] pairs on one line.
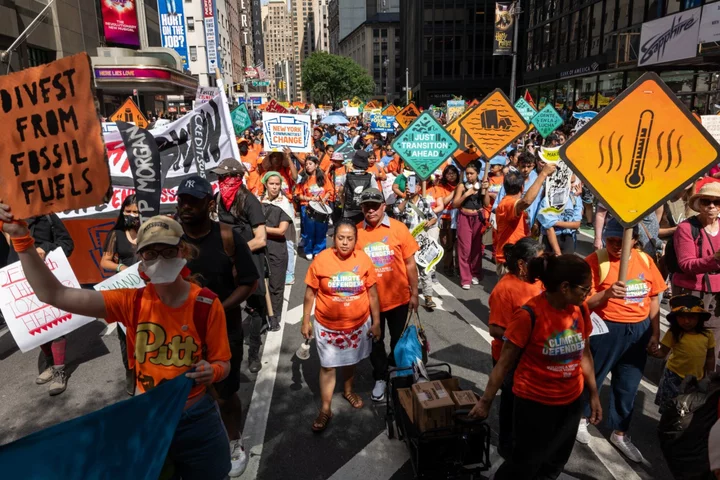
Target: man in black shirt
{"points": [[237, 206], [224, 265]]}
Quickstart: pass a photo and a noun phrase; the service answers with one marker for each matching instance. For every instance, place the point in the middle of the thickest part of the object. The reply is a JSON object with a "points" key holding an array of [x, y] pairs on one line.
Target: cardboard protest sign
{"points": [[407, 115], [547, 121], [144, 159], [382, 123], [285, 130], [455, 108], [640, 150], [274, 107], [241, 119], [391, 110], [352, 111], [129, 112], [205, 94], [712, 125], [31, 322], [52, 155], [424, 145], [493, 124]]}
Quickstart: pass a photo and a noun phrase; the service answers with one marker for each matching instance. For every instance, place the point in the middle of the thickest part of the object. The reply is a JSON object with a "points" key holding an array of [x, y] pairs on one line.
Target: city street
{"points": [[281, 401]]}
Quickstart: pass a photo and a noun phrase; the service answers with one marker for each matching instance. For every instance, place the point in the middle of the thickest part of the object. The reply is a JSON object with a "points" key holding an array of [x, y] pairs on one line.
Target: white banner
{"points": [[203, 134], [710, 24], [669, 38], [352, 111], [31, 322], [286, 130]]}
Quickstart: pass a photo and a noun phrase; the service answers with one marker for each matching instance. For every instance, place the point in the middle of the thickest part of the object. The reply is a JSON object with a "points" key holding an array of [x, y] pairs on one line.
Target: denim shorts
{"points": [[200, 449]]}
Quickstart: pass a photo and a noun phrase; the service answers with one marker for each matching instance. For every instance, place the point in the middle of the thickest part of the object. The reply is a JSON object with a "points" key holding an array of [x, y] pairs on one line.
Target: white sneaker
{"points": [[378, 392], [238, 458], [475, 281], [626, 447], [583, 435], [309, 256], [466, 287]]}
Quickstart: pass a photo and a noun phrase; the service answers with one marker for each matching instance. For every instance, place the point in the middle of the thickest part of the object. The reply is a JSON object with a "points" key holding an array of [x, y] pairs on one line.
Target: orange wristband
{"points": [[23, 244], [218, 372]]}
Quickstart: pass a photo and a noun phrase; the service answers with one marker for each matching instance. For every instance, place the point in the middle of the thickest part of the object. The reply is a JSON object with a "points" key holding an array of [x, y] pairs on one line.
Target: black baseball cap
{"points": [[371, 195], [196, 186]]}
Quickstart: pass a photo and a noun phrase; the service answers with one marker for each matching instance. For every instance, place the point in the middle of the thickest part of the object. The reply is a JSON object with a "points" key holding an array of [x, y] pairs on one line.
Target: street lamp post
{"points": [[513, 73]]}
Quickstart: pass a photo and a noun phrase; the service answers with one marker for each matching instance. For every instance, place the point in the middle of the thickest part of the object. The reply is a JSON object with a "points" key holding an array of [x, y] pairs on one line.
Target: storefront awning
{"points": [[120, 79]]}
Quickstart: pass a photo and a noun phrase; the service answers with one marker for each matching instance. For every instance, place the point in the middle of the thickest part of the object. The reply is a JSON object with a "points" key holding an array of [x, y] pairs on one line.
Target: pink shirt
{"points": [[696, 265]]}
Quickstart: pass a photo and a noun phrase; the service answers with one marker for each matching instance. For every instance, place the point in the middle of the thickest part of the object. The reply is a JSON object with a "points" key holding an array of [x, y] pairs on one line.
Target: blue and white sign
{"points": [[211, 50], [382, 124], [172, 28], [284, 130]]}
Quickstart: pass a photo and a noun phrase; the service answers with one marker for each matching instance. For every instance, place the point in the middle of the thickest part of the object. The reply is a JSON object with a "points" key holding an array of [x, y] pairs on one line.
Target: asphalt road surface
{"points": [[282, 400]]}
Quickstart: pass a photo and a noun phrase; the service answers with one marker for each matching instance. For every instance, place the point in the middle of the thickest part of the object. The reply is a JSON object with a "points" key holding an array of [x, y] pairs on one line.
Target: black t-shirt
{"points": [[273, 216], [215, 267], [121, 249]]}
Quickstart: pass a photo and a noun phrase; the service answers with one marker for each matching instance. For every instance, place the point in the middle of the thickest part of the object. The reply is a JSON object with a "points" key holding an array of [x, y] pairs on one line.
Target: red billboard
{"points": [[120, 22]]}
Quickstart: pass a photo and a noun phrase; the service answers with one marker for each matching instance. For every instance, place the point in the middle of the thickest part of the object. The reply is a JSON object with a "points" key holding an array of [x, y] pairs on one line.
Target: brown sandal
{"points": [[321, 422], [354, 399]]}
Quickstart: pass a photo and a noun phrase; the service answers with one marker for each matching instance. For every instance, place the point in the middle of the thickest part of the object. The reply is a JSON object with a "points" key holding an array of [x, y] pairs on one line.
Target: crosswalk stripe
{"points": [[259, 410], [379, 460]]}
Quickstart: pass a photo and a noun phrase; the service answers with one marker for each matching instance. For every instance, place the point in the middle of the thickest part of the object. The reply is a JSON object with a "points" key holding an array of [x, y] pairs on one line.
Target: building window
{"points": [[595, 24], [383, 33], [638, 11], [574, 35], [190, 24], [37, 56], [193, 54]]}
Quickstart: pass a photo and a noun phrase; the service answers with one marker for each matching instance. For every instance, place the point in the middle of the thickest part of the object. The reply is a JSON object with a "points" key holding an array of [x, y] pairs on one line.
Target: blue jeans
{"points": [[200, 449], [314, 234], [621, 352], [290, 272]]}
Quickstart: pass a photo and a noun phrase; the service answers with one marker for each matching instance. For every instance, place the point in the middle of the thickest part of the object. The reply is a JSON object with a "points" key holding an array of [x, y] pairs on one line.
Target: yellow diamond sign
{"points": [[640, 150]]}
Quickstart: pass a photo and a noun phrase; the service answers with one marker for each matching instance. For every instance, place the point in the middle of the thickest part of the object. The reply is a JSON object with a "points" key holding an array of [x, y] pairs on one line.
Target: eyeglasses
{"points": [[167, 253], [585, 290], [706, 202]]}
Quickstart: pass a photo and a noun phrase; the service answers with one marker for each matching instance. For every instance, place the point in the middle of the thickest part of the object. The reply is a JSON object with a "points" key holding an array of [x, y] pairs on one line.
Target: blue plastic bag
{"points": [[411, 346]]}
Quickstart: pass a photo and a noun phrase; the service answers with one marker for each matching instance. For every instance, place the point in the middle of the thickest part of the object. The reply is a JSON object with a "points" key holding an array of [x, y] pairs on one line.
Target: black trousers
{"points": [[226, 388], [257, 311], [505, 414], [566, 242], [395, 320], [277, 257], [544, 436]]}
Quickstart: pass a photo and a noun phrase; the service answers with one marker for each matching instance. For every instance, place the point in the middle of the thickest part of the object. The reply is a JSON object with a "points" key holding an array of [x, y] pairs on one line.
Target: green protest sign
{"points": [[424, 145], [347, 151], [547, 120], [526, 110], [240, 119]]}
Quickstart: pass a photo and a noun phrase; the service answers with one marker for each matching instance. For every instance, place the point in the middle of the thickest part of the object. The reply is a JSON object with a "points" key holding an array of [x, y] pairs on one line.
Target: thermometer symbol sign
{"points": [[636, 176]]}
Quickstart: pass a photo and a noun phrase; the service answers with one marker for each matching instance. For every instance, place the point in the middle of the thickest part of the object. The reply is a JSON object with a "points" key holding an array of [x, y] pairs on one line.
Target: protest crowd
{"points": [[376, 230]]}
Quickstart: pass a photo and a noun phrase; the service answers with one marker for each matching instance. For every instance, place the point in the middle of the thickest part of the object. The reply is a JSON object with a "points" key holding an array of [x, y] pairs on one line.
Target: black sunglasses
{"points": [[167, 253], [706, 202]]}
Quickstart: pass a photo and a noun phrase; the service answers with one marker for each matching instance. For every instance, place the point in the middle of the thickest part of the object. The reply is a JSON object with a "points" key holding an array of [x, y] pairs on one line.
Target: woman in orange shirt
{"points": [[165, 314], [511, 293], [376, 168], [314, 186], [341, 283], [546, 339], [445, 189]]}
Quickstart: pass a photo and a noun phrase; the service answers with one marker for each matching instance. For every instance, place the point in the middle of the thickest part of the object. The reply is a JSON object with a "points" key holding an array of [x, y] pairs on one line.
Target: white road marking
{"points": [[496, 460], [379, 460], [109, 329], [294, 315], [259, 410], [450, 303], [612, 459]]}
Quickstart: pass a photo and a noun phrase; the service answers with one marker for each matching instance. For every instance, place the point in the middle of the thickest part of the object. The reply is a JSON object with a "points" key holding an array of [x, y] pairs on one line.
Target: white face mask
{"points": [[163, 270]]}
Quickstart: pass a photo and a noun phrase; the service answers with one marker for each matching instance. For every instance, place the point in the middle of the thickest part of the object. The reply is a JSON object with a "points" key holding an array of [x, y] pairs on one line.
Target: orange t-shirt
{"points": [[549, 371], [342, 301], [442, 191], [644, 281], [388, 245], [166, 340], [509, 294], [310, 188], [325, 162], [377, 170], [396, 165], [510, 227], [250, 160]]}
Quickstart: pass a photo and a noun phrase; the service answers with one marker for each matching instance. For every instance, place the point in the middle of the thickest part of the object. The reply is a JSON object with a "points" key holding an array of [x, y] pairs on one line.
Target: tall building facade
{"points": [[279, 45], [375, 46], [334, 26], [581, 55], [321, 29], [304, 43], [447, 47]]}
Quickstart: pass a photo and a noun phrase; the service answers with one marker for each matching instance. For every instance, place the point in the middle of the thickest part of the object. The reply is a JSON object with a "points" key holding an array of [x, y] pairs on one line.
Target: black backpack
{"points": [[670, 257], [355, 184]]}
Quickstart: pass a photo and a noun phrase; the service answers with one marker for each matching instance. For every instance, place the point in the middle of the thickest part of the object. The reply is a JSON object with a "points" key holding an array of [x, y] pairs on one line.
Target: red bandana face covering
{"points": [[229, 187]]}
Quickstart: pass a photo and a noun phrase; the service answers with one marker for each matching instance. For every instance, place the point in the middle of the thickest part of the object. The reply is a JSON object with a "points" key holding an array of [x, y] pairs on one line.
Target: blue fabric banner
{"points": [[127, 440]]}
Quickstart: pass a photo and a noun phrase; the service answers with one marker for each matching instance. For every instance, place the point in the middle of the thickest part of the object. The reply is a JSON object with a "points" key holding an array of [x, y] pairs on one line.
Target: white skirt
{"points": [[341, 348]]}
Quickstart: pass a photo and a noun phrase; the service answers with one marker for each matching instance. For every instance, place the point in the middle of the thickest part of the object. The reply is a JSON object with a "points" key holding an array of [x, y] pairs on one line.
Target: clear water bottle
{"points": [[303, 352]]}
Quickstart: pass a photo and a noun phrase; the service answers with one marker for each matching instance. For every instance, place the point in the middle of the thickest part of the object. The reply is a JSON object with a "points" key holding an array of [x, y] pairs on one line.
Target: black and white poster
{"points": [[669, 38]]}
